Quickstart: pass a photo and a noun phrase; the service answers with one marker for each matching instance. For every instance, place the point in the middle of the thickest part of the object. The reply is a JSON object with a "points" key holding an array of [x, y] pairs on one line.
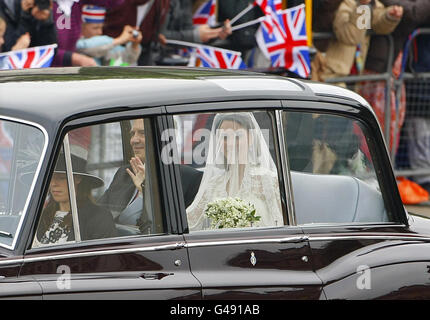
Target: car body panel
{"points": [[143, 270], [292, 262], [341, 256]]}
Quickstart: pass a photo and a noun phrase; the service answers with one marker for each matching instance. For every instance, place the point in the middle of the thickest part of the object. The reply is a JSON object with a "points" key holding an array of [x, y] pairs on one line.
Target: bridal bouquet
{"points": [[231, 213]]}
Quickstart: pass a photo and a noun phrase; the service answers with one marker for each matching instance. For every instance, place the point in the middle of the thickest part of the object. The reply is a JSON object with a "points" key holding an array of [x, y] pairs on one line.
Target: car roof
{"points": [[55, 94]]}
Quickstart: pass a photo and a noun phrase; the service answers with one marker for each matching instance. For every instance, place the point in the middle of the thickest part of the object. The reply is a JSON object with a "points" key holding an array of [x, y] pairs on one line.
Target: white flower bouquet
{"points": [[231, 213]]}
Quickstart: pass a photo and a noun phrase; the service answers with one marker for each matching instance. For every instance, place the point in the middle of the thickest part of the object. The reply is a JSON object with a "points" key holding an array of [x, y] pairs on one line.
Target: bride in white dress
{"points": [[238, 164]]}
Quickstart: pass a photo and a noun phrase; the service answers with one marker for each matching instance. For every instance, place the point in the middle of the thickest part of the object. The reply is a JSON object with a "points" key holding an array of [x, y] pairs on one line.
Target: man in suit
{"points": [[125, 195]]}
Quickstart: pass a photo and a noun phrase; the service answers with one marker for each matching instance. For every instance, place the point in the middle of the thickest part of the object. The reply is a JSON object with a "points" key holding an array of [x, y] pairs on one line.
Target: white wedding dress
{"points": [[259, 184]]}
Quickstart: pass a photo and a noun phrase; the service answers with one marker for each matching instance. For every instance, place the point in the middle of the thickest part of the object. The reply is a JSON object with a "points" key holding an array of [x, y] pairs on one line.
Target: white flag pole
{"points": [[193, 59], [197, 45], [242, 13], [247, 24], [142, 11], [182, 43]]}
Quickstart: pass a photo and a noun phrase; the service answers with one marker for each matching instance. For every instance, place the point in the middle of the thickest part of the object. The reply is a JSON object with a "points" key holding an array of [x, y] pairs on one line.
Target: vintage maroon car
{"points": [[239, 186]]}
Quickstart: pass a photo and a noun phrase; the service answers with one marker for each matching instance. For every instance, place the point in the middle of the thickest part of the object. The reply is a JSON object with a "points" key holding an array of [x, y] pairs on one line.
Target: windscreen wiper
{"points": [[6, 234]]}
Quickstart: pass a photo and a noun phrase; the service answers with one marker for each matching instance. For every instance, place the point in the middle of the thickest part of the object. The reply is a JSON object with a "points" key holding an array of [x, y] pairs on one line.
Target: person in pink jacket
{"points": [[68, 19]]}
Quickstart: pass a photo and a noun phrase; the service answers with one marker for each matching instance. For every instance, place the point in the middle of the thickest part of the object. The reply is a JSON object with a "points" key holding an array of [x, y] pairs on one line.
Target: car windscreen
{"points": [[21, 149]]}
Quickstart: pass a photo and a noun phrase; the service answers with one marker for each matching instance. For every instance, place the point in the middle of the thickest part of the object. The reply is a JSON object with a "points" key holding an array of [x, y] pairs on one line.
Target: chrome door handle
{"points": [[155, 276]]}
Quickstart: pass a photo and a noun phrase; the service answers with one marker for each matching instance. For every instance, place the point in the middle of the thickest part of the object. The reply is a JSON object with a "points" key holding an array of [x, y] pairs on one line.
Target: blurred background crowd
{"points": [[377, 41]]}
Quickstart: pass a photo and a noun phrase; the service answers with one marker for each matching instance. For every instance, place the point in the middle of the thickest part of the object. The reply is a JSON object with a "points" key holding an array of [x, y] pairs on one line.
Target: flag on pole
{"points": [[205, 14], [36, 57], [271, 9], [212, 57], [269, 6], [287, 45]]}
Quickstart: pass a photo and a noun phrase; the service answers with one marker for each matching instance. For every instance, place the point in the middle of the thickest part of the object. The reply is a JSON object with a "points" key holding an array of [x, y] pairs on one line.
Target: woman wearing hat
{"points": [[56, 223]]}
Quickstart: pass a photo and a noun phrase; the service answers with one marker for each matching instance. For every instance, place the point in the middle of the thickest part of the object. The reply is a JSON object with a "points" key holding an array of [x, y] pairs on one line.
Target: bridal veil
{"points": [[238, 164]]}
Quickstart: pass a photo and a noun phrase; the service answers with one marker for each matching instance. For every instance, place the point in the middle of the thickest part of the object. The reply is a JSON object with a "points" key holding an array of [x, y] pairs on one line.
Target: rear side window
{"points": [[104, 185], [332, 170], [229, 170]]}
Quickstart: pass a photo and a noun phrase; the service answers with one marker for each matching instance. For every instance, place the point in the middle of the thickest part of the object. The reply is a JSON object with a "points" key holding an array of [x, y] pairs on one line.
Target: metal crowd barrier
{"points": [[351, 81], [415, 106]]}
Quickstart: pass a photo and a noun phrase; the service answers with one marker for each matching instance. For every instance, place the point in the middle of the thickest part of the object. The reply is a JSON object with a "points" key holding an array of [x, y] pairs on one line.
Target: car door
{"points": [[271, 261], [347, 204], [98, 253]]}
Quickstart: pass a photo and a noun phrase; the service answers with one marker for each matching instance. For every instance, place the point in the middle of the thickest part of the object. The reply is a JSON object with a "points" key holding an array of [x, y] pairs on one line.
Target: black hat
{"points": [[78, 166], [79, 169]]}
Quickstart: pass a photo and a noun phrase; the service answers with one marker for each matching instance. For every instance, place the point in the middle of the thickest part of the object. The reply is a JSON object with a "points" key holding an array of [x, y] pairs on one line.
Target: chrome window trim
{"points": [[293, 239], [118, 240], [173, 246], [35, 178], [297, 239], [181, 245], [350, 224], [369, 237], [285, 167], [72, 191]]}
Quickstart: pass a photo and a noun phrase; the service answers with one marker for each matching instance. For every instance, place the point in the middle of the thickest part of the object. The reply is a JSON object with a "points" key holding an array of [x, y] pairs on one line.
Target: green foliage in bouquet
{"points": [[231, 213]]}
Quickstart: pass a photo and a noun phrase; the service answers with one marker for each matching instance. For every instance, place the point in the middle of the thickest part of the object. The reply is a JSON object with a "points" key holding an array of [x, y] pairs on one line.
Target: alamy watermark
{"points": [[365, 18], [363, 22], [231, 146], [63, 21], [64, 280], [364, 278]]}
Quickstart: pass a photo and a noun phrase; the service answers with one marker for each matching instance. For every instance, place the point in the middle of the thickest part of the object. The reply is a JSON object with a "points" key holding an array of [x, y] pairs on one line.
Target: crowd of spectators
{"points": [[134, 32], [89, 32], [141, 28]]}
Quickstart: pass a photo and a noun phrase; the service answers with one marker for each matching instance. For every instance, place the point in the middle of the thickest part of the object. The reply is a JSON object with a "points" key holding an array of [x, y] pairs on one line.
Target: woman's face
{"points": [[234, 142], [59, 188]]}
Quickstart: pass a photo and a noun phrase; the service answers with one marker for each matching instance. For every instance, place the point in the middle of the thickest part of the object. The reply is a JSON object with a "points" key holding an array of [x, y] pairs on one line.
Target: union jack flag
{"points": [[212, 57], [287, 45], [36, 57], [270, 8], [205, 14]]}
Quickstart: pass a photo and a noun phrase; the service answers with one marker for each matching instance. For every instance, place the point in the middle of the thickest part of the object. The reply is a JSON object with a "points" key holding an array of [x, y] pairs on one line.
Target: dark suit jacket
{"points": [[95, 222], [122, 189]]}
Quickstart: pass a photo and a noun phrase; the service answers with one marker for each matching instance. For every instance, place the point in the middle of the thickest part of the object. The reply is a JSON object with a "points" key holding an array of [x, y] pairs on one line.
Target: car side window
{"points": [[332, 170], [21, 153], [229, 170], [115, 190]]}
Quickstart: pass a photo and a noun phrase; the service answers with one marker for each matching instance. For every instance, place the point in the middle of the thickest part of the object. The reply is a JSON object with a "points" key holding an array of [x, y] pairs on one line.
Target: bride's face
{"points": [[233, 142]]}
